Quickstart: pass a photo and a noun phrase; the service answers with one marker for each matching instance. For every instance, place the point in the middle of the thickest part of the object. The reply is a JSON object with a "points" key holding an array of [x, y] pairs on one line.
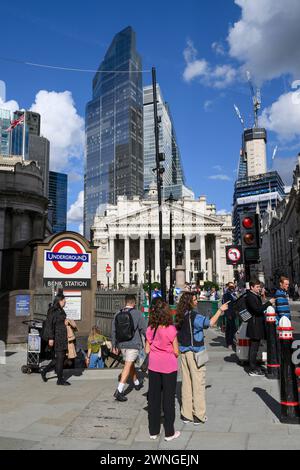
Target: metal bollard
{"points": [[290, 412], [273, 365]]}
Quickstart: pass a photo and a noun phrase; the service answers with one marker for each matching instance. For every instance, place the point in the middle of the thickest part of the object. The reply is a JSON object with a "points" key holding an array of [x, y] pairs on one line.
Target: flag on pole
{"points": [[15, 123]]}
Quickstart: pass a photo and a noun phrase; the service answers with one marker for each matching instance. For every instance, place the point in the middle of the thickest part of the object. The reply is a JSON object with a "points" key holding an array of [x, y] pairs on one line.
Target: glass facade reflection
{"points": [[4, 135], [173, 178], [114, 129], [58, 194]]}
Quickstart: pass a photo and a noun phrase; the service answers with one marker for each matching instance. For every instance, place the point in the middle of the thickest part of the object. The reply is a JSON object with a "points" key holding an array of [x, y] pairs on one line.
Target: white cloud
{"points": [[74, 177], [285, 167], [219, 76], [9, 105], [80, 229], [218, 48], [62, 125], [283, 117], [220, 177], [223, 212], [2, 90], [217, 168], [75, 213], [266, 39], [208, 104]]}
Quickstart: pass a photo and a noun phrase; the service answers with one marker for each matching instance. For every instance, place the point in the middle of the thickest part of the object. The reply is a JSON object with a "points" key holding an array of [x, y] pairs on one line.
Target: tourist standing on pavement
{"points": [[128, 328], [162, 346], [230, 316], [56, 334], [191, 325], [95, 341], [282, 299], [256, 330]]}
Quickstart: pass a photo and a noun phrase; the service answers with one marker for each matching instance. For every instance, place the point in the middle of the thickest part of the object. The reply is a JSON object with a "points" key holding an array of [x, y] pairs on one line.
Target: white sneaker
{"points": [[177, 434], [154, 437]]}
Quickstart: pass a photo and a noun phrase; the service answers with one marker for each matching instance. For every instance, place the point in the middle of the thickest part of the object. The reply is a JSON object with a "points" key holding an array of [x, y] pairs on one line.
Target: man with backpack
{"points": [[128, 327]]}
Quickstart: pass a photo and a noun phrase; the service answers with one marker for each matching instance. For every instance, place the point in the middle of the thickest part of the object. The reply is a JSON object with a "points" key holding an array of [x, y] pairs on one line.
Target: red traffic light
{"points": [[248, 222]]}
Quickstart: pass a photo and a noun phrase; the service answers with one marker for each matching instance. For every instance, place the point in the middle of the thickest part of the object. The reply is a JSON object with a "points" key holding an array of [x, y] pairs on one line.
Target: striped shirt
{"points": [[282, 305]]}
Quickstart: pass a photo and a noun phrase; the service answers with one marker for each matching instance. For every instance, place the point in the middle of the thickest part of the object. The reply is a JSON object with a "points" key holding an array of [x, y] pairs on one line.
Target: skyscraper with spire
{"points": [[114, 129]]}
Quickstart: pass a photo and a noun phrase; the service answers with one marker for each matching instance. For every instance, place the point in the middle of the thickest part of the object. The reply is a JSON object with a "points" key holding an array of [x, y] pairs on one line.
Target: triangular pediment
{"points": [[143, 214]]}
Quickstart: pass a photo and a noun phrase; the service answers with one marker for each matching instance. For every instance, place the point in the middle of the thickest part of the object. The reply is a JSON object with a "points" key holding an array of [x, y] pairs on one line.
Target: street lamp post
{"points": [[150, 269], [170, 200], [159, 158], [291, 240]]}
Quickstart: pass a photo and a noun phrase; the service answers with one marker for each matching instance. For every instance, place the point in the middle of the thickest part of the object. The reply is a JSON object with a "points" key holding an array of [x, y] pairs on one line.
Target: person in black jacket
{"points": [[56, 334], [256, 325], [230, 315]]}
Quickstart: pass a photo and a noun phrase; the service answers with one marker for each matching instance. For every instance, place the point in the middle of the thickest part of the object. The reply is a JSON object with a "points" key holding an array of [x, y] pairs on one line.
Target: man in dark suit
{"points": [[256, 330]]}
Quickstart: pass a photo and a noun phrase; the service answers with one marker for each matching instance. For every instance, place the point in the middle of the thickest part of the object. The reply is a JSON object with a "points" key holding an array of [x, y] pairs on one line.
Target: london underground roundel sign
{"points": [[68, 261]]}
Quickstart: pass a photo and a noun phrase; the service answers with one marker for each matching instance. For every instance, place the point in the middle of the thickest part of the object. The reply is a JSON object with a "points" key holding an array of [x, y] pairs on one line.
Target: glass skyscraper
{"points": [[58, 195], [173, 178], [4, 135], [114, 129]]}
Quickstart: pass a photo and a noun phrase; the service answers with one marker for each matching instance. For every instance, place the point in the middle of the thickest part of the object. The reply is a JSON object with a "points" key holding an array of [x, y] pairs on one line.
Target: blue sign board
{"points": [[23, 305]]}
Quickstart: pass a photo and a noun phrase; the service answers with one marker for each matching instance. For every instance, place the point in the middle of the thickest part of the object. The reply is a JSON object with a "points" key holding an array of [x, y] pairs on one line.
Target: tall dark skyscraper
{"points": [[58, 195], [114, 129]]}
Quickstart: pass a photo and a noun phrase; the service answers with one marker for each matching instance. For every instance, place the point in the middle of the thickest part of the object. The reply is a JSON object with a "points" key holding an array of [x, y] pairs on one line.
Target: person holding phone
{"points": [[190, 326]]}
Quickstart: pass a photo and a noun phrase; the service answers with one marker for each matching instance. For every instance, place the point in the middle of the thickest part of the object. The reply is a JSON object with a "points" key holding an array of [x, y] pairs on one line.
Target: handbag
{"points": [[145, 364], [201, 357]]}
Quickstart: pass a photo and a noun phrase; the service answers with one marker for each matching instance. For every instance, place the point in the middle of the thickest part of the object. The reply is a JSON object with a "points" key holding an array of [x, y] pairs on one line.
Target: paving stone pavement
{"points": [[242, 411]]}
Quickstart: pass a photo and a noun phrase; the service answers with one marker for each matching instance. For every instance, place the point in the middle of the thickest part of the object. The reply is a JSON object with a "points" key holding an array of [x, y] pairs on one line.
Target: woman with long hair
{"points": [[162, 347], [191, 325], [95, 341]]}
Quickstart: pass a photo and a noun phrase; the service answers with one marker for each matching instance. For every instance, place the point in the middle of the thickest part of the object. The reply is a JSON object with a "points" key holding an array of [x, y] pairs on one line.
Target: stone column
{"points": [[112, 279], [218, 257], [127, 260], [157, 261], [209, 259], [203, 256], [142, 260], [187, 258]]}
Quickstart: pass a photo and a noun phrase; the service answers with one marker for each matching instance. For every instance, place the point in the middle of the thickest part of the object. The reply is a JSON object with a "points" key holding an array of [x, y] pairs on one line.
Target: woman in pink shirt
{"points": [[162, 347]]}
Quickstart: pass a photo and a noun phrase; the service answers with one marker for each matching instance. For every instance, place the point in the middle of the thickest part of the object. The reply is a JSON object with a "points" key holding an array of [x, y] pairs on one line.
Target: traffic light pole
{"points": [[159, 187]]}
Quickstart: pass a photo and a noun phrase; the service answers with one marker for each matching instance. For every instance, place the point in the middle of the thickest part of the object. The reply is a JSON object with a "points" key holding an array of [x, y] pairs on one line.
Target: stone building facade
{"points": [[23, 217], [280, 253], [127, 237]]}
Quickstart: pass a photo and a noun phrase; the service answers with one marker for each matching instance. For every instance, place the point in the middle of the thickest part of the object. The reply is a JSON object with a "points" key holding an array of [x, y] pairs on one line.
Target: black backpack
{"points": [[124, 326]]}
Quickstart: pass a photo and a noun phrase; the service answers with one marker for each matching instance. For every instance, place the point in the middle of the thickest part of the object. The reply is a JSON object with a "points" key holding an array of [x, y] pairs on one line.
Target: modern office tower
{"points": [[173, 178], [255, 142], [37, 148], [5, 116], [256, 194], [58, 196], [253, 155], [114, 129]]}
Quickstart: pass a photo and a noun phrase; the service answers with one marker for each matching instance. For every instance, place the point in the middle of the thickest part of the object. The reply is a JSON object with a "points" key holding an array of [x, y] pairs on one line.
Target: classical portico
{"points": [[127, 236]]}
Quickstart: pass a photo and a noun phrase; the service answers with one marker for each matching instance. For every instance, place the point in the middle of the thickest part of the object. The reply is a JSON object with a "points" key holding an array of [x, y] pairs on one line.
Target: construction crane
{"points": [[275, 152], [256, 97], [239, 115]]}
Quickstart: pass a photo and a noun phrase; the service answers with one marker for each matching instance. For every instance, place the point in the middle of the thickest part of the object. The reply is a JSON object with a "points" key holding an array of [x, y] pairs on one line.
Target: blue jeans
{"points": [[96, 362]]}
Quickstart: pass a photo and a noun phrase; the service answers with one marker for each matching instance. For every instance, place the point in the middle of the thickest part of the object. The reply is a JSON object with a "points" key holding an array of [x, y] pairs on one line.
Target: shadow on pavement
{"points": [[271, 403], [219, 341]]}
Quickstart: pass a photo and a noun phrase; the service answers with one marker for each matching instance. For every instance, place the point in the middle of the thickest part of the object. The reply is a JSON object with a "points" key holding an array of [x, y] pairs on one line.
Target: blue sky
{"points": [[201, 51]]}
